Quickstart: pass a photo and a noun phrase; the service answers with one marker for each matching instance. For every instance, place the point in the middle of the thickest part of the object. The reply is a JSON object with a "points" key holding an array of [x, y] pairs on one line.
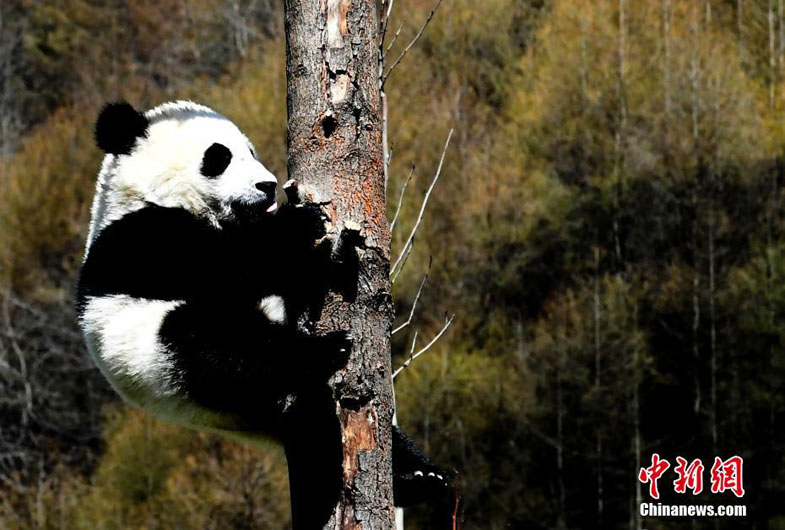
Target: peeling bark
{"points": [[335, 150]]}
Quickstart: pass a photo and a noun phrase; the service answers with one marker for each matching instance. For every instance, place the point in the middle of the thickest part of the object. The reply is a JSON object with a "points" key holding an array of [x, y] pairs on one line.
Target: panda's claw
{"points": [[309, 222], [291, 190], [338, 345], [297, 193], [418, 486]]}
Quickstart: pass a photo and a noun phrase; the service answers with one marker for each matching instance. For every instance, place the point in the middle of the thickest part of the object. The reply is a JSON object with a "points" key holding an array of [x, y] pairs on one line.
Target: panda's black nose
{"points": [[267, 187]]}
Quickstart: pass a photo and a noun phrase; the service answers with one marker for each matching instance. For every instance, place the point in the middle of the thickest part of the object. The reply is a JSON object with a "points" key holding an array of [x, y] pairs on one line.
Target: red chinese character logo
{"points": [[689, 476], [652, 474], [727, 476]]}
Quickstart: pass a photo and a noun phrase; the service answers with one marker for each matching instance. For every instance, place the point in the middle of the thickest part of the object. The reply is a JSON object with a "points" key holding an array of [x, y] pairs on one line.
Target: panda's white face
{"points": [[182, 155]]}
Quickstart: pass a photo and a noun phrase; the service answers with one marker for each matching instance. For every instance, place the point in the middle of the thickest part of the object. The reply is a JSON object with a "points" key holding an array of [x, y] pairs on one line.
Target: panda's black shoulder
{"points": [[140, 222], [154, 252], [154, 230]]}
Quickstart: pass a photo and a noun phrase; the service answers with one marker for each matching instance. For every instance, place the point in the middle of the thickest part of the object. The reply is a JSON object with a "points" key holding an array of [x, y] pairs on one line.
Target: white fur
{"points": [[122, 336], [163, 168], [274, 309]]}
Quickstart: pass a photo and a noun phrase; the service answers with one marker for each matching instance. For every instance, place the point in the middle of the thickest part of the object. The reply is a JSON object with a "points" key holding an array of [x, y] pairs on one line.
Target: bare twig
{"points": [[23, 372], [387, 10], [386, 156], [400, 199], [416, 298], [414, 343], [412, 357], [413, 41], [392, 42], [403, 264], [455, 511], [390, 152], [395, 270]]}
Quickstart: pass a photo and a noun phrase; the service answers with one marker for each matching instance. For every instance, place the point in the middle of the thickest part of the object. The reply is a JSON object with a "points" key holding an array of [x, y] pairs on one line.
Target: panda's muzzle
{"points": [[267, 188]]}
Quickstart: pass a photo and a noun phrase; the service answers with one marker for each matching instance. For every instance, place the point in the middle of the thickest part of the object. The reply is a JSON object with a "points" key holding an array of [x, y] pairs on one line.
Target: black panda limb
{"points": [[226, 357], [318, 263], [415, 478]]}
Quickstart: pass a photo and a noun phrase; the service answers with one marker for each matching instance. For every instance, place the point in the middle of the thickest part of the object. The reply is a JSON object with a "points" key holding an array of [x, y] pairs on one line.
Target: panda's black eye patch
{"points": [[215, 161]]}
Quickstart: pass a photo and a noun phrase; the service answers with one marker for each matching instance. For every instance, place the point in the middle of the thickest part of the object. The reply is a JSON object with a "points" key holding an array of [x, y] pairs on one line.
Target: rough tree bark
{"points": [[335, 151]]}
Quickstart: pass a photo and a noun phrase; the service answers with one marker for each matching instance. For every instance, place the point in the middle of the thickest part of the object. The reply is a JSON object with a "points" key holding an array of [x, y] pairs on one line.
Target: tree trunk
{"points": [[620, 140], [740, 28], [598, 384], [772, 57], [335, 151]]}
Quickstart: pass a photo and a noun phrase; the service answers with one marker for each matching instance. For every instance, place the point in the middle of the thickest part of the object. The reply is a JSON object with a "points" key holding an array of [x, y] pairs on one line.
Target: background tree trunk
{"points": [[335, 150]]}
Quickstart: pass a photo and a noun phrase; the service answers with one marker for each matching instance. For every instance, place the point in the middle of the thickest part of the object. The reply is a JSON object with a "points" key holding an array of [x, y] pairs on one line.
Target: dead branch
{"points": [[400, 199], [416, 299], [412, 357], [386, 8], [397, 267], [386, 154], [413, 41], [392, 42]]}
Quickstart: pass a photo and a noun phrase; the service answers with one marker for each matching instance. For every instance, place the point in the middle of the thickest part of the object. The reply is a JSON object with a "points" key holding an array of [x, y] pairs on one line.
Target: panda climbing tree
{"points": [[206, 303]]}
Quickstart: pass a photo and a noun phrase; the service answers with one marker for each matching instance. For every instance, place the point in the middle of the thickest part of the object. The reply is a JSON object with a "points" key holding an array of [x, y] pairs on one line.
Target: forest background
{"points": [[608, 230]]}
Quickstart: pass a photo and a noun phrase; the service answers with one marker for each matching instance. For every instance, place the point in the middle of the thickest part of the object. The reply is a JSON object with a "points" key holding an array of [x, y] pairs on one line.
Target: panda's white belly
{"points": [[122, 337], [122, 334]]}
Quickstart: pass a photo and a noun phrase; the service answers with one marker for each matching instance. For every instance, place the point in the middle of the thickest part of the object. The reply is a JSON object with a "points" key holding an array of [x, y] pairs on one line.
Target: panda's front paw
{"points": [[296, 192], [303, 224], [336, 349], [326, 354]]}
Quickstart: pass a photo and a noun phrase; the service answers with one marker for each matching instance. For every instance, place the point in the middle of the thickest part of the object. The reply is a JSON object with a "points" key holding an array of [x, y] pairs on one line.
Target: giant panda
{"points": [[191, 284]]}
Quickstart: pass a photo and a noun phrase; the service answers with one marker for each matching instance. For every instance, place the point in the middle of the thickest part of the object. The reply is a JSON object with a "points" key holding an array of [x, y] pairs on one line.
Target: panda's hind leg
{"points": [[227, 356], [415, 478]]}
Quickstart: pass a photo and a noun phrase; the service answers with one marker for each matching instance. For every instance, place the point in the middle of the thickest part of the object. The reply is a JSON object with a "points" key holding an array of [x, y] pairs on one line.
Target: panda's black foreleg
{"points": [[227, 355], [316, 264], [415, 478], [312, 441]]}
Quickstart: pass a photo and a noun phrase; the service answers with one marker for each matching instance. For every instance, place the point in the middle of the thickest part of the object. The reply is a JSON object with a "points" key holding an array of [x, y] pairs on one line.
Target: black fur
{"points": [[157, 253], [215, 160], [169, 254], [416, 478], [226, 355], [227, 358], [118, 126], [314, 468]]}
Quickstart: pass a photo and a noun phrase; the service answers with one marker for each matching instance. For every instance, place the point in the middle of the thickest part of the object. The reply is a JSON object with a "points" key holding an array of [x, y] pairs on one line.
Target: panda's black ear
{"points": [[118, 126]]}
